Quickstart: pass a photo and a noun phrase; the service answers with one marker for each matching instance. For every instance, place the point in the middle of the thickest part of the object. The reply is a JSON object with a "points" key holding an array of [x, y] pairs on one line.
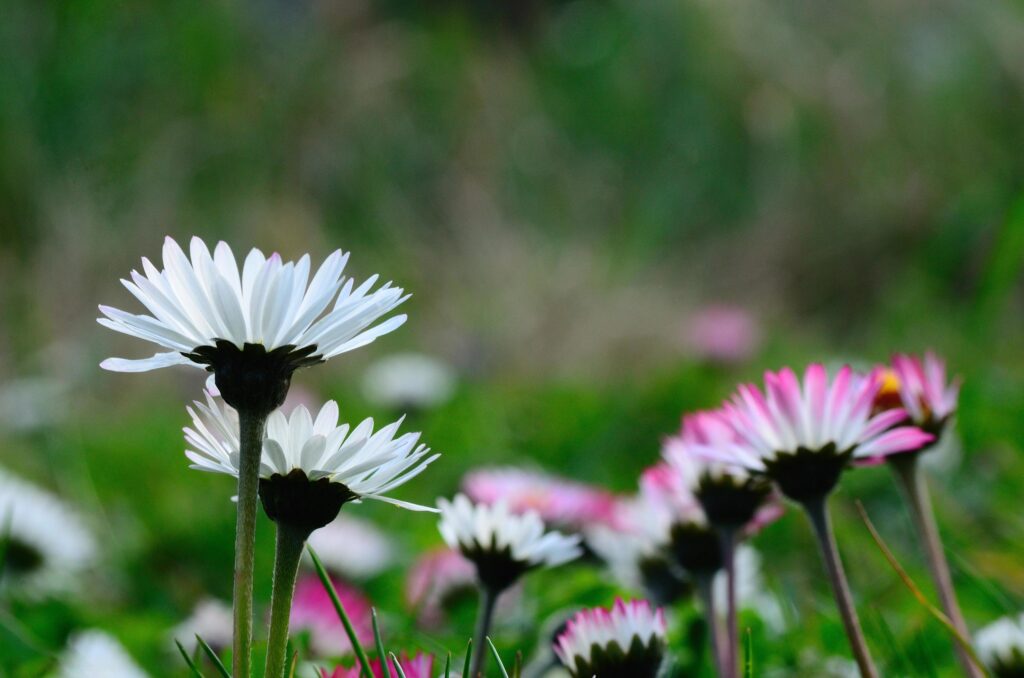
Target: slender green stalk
{"points": [[914, 486], [817, 512], [325, 579], [488, 598], [290, 542], [706, 592], [251, 426], [730, 658]]}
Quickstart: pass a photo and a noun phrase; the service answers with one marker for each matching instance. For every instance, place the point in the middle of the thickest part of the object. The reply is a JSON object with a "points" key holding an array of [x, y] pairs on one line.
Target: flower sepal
{"points": [[301, 503]]}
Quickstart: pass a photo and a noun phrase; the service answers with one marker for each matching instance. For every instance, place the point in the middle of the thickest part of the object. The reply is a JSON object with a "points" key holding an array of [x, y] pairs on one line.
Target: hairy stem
{"points": [[488, 598], [731, 651], [915, 490], [706, 591], [251, 427], [290, 542], [817, 511]]}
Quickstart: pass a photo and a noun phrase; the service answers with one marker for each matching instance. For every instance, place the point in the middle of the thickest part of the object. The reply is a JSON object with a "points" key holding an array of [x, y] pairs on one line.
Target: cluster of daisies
{"points": [[722, 477]]}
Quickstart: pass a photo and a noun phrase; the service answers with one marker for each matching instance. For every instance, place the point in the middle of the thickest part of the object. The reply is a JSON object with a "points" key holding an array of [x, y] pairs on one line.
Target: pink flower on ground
{"points": [[803, 435], [723, 334], [923, 391], [560, 502], [435, 578], [313, 611], [419, 666]]}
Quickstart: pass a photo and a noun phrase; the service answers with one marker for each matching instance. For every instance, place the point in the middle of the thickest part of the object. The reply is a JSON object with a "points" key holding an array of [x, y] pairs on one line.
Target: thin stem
{"points": [[251, 426], [731, 651], [488, 598], [290, 542], [914, 486], [706, 591], [817, 512]]}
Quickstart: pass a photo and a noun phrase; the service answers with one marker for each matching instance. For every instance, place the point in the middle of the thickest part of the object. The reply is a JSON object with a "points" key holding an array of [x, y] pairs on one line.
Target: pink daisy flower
{"points": [[313, 611], [419, 666], [435, 579], [803, 436], [627, 640], [560, 502], [924, 392]]}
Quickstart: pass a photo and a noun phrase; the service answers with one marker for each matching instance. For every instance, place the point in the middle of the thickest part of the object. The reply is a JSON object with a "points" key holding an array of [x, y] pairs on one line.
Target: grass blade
{"points": [[380, 644], [497, 658], [188, 660], [469, 657], [448, 666], [325, 579], [293, 663], [398, 667], [748, 656], [917, 593], [213, 657]]}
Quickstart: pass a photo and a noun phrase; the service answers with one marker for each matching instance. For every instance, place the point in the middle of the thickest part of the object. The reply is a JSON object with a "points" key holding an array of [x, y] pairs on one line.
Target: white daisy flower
{"points": [[96, 653], [269, 316], [627, 640], [501, 544], [211, 620], [1000, 646], [310, 467], [333, 543], [47, 545], [408, 380]]}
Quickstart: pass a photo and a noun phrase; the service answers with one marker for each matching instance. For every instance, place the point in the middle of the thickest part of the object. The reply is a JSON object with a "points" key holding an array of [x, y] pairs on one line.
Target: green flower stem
{"points": [[817, 512], [730, 658], [488, 599], [914, 486], [290, 542], [251, 427], [706, 592]]}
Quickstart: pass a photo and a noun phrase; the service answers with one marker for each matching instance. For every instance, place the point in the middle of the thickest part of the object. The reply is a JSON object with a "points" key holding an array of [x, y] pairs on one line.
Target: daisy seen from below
{"points": [[46, 545], [309, 469], [1000, 646], [503, 546], [920, 387], [627, 640], [252, 327], [803, 436]]}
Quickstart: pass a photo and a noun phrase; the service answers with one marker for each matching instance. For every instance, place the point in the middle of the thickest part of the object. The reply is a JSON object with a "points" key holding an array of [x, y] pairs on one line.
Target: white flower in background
{"points": [[627, 640], [408, 380], [268, 302], [211, 620], [1000, 646], [365, 465], [502, 545], [47, 544], [334, 544], [32, 403], [96, 654], [751, 592]]}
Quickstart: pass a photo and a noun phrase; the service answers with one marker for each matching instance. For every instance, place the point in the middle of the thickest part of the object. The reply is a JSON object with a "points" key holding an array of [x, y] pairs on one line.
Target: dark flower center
{"points": [[732, 503], [251, 378], [496, 569], [663, 583], [19, 558], [696, 548], [639, 660], [299, 502], [807, 475]]}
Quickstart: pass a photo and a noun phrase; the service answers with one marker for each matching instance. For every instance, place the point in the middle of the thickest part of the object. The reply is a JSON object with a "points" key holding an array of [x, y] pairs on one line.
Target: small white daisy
{"points": [[211, 620], [96, 653], [501, 544], [310, 465], [408, 380], [47, 544], [267, 317], [1000, 646], [627, 640], [333, 543]]}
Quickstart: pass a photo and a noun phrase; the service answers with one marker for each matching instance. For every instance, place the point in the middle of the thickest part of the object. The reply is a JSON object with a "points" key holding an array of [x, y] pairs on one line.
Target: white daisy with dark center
{"points": [[310, 467], [1000, 647], [501, 544], [46, 545], [627, 640], [251, 326]]}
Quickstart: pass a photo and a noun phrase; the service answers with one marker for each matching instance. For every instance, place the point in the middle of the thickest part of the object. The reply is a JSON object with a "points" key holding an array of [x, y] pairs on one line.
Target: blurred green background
{"points": [[565, 188]]}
